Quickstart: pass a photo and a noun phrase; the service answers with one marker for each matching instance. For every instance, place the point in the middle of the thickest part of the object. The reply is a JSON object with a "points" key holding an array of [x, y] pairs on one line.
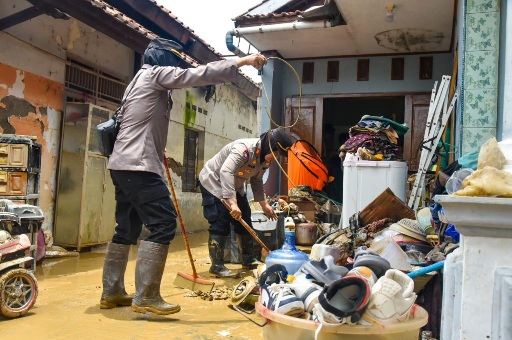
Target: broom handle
{"points": [[248, 227], [182, 226]]}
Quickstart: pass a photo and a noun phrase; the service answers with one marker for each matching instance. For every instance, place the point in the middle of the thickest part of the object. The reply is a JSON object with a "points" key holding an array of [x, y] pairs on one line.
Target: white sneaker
{"points": [[392, 298], [365, 273], [306, 290], [280, 299], [343, 301]]}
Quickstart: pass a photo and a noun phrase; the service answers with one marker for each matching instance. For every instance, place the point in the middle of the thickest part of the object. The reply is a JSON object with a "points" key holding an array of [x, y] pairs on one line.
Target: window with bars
{"points": [[85, 83], [188, 178]]}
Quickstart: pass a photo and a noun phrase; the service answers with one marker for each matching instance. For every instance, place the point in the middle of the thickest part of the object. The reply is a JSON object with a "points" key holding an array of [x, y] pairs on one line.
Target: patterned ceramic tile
{"points": [[481, 70], [482, 31], [480, 108], [474, 138], [478, 6]]}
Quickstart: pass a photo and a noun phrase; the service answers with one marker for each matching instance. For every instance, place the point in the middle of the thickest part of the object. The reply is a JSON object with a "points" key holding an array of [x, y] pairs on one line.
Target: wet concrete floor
{"points": [[69, 292]]}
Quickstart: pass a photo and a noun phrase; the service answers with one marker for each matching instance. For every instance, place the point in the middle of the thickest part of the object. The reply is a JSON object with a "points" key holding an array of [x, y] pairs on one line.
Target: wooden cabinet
{"points": [[85, 204], [20, 168], [13, 155]]}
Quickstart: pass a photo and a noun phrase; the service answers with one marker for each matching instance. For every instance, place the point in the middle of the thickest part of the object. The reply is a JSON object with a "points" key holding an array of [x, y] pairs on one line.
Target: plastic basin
{"points": [[286, 327]]}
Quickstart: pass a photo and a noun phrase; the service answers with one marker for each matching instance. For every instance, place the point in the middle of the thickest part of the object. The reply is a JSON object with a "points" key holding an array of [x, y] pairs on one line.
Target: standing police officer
{"points": [[137, 171]]}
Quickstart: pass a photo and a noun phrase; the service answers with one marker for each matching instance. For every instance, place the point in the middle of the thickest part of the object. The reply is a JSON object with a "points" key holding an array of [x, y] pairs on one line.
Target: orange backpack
{"points": [[305, 166]]}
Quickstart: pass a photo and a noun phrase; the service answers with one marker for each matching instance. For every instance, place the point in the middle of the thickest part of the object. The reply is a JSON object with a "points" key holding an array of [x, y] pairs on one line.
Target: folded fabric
{"points": [[401, 129]]}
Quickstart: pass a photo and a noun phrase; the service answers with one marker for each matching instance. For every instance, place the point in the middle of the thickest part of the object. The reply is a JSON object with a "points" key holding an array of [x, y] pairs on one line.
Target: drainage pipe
{"points": [[229, 43], [291, 26]]}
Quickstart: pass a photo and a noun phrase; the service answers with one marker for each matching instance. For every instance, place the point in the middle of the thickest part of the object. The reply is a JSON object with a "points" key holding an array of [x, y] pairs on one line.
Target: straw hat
{"points": [[410, 228]]}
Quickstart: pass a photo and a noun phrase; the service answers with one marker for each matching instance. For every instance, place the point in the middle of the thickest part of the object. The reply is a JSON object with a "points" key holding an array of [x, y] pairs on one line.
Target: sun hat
{"points": [[410, 228]]}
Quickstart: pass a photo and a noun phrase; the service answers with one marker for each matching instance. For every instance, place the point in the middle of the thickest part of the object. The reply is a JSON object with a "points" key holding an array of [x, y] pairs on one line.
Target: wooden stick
{"points": [[246, 226]]}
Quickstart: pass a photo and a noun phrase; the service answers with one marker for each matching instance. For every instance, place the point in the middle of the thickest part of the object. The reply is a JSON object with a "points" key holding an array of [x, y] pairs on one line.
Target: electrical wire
{"points": [[287, 127]]}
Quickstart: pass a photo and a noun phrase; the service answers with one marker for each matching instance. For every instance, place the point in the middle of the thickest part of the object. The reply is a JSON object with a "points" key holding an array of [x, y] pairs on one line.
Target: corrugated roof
{"points": [[278, 9], [175, 18], [266, 7], [273, 15], [119, 16]]}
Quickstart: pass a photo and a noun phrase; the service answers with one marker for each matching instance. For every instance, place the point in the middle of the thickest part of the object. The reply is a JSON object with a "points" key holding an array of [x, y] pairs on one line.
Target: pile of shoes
{"points": [[366, 292]]}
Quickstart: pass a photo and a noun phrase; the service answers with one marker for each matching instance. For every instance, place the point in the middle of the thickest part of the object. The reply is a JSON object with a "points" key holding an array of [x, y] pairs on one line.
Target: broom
{"points": [[184, 280]]}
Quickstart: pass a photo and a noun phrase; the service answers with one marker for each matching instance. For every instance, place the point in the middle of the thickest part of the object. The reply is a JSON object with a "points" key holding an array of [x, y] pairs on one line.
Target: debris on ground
{"points": [[219, 293], [56, 252]]}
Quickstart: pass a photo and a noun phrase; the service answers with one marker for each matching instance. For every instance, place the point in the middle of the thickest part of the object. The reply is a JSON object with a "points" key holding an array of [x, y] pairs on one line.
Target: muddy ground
{"points": [[69, 292]]}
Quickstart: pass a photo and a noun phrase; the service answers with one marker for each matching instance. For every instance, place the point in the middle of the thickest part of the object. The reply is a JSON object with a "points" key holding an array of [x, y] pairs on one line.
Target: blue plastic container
{"points": [[288, 255]]}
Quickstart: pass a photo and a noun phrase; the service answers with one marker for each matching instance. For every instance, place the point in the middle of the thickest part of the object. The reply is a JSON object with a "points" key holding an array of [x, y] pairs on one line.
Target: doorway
{"points": [[343, 113]]}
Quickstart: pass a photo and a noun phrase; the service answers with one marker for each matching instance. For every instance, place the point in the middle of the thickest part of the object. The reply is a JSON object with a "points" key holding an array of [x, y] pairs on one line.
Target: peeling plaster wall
{"points": [[32, 74], [32, 105]]}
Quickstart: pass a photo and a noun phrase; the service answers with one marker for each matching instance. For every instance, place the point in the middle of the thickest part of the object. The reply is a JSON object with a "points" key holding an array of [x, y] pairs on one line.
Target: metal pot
{"points": [[306, 234]]}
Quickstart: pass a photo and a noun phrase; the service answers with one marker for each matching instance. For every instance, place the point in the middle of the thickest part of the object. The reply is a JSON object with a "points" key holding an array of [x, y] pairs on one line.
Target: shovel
{"points": [[184, 280]]}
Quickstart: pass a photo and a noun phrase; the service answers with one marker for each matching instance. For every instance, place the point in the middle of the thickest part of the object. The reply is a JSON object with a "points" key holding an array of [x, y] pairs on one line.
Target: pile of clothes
{"points": [[375, 138]]}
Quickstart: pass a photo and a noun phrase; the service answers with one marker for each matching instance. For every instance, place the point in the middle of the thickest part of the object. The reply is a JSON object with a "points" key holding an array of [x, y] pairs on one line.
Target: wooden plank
{"points": [[386, 205]]}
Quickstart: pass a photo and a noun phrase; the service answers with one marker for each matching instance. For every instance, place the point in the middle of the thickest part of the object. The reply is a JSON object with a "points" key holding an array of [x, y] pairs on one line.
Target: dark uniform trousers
{"points": [[218, 215], [142, 198]]}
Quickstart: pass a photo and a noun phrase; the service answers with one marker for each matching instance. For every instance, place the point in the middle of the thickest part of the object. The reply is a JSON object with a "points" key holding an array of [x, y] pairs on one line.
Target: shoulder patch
{"points": [[246, 154]]}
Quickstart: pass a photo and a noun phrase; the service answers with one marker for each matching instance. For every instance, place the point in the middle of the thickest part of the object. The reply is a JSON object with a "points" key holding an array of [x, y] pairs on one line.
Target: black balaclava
{"points": [[158, 53], [280, 141]]}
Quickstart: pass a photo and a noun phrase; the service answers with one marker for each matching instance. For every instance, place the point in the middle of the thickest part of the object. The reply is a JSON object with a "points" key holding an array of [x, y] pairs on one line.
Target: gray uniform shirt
{"points": [[226, 173], [145, 116]]}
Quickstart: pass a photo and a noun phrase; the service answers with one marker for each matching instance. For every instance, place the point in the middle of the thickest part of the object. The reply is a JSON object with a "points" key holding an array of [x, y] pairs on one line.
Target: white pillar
{"points": [[477, 292]]}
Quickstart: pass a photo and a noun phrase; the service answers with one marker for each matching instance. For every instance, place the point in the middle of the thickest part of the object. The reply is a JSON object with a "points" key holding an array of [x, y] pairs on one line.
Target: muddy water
{"points": [[68, 303]]}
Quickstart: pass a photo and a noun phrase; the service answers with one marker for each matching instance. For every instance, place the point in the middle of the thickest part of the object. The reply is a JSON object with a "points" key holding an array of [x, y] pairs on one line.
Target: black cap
{"points": [[281, 141], [163, 52]]}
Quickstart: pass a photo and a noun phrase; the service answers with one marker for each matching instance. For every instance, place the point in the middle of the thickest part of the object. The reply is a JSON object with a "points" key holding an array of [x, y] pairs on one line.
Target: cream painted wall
{"points": [[226, 111], [62, 37]]}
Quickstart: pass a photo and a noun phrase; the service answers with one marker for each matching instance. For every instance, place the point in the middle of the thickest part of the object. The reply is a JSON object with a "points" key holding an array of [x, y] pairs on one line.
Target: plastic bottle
{"points": [[288, 255]]}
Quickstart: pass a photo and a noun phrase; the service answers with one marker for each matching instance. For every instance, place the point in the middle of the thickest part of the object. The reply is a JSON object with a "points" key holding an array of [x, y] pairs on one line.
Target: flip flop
{"points": [[325, 270], [375, 262]]}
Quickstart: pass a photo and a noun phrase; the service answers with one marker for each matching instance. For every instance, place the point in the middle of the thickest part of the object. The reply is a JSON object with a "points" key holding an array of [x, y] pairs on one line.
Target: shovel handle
{"points": [[247, 227]]}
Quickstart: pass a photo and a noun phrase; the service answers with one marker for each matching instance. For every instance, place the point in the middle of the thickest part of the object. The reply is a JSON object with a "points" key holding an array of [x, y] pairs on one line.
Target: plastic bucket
{"points": [[391, 251], [286, 327]]}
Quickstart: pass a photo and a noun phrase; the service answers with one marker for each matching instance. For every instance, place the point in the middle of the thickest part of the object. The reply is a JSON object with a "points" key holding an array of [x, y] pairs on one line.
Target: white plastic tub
{"points": [[286, 327], [363, 181]]}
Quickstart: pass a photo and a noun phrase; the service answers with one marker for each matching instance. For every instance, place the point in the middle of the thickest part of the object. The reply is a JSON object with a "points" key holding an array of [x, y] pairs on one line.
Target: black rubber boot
{"points": [[114, 294], [246, 245], [216, 248], [148, 276]]}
